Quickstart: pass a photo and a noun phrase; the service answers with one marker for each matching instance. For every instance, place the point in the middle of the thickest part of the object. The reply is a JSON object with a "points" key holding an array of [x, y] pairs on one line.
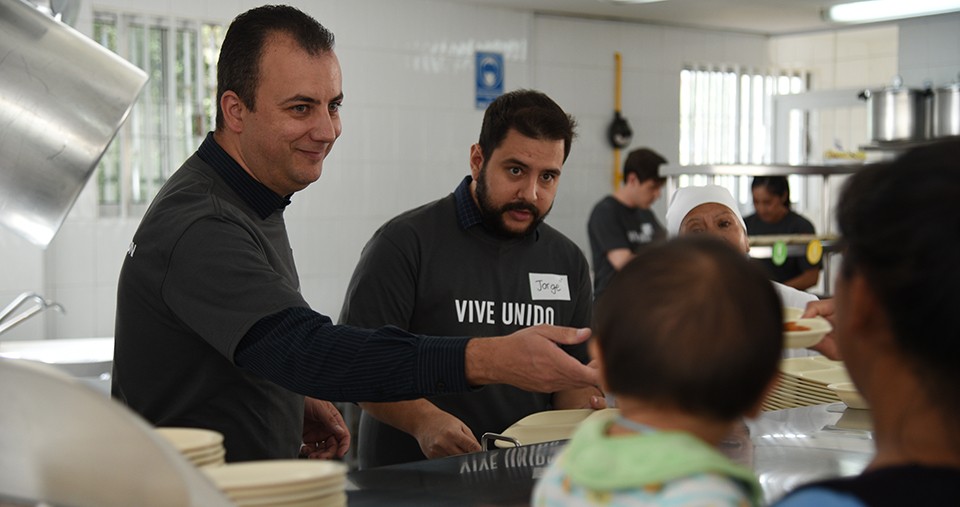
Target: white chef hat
{"points": [[687, 198]]}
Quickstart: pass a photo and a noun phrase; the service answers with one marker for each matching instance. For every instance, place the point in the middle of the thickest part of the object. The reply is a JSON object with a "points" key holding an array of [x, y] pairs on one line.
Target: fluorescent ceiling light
{"points": [[885, 10]]}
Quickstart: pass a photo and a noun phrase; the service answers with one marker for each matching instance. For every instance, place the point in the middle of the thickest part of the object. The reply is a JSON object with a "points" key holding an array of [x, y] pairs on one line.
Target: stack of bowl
{"points": [[282, 483], [202, 448]]}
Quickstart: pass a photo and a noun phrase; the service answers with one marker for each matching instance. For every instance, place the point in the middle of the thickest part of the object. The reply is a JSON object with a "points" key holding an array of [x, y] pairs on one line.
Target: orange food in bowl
{"points": [[793, 326]]}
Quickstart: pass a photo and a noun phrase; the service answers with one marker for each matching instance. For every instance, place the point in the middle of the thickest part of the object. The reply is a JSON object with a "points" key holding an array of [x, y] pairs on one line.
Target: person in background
{"points": [[211, 328], [622, 223], [771, 200], [687, 337], [478, 261], [894, 318], [712, 210]]}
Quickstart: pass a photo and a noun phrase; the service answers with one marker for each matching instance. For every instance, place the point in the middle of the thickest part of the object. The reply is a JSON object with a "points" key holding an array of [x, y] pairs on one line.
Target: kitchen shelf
{"points": [[762, 169], [764, 249]]}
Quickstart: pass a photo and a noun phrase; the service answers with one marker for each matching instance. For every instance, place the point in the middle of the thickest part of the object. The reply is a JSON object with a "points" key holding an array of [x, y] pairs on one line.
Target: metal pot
{"points": [[896, 113], [62, 100], [946, 110]]}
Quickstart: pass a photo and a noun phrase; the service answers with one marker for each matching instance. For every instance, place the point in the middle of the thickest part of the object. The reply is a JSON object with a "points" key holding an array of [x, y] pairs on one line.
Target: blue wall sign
{"points": [[489, 78]]}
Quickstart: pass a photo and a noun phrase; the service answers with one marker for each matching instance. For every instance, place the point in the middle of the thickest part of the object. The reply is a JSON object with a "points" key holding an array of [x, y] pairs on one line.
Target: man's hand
{"points": [[530, 359], [442, 435], [828, 345], [585, 397], [324, 433]]}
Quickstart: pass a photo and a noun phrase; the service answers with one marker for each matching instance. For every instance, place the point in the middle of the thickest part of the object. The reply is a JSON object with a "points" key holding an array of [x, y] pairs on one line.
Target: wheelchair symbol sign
{"points": [[489, 78]]}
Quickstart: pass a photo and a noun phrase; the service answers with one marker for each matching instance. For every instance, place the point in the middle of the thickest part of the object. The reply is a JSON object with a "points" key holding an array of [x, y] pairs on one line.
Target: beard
{"points": [[492, 215]]}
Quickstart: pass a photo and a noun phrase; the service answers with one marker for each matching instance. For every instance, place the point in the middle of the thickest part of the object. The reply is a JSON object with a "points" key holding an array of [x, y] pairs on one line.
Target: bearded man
{"points": [[479, 261]]}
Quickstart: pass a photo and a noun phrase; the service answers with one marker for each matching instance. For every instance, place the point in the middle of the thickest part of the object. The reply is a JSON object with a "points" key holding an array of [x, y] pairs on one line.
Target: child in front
{"points": [[688, 338]]}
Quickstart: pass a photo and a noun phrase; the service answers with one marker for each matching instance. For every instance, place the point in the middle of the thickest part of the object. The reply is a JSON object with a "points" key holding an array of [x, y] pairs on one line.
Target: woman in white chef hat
{"points": [[712, 210]]}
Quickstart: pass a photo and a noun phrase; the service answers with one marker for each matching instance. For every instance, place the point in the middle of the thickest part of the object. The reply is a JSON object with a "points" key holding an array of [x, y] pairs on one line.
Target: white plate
{"points": [[826, 377], [536, 434], [818, 327], [338, 481], [605, 413], [214, 460], [554, 417], [847, 392], [205, 453], [546, 426], [295, 496], [827, 361], [796, 365], [273, 474], [187, 440]]}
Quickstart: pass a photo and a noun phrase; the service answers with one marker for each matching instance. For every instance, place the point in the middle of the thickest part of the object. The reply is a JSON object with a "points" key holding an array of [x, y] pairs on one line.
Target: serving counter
{"points": [[785, 447]]}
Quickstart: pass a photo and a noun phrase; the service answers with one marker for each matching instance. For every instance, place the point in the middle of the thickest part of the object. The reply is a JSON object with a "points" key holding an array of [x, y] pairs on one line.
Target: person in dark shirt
{"points": [[622, 223], [479, 261], [771, 200], [894, 321], [211, 328]]}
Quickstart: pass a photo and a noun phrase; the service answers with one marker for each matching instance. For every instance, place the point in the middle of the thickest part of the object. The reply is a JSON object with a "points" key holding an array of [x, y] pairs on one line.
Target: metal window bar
{"points": [[726, 116], [174, 111]]}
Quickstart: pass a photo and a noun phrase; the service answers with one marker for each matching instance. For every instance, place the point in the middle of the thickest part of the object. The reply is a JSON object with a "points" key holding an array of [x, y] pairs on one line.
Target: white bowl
{"points": [[791, 313], [847, 392], [817, 328]]}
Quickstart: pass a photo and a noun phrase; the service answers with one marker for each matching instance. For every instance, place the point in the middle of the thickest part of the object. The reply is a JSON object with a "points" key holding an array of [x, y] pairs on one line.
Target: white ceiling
{"points": [[769, 17]]}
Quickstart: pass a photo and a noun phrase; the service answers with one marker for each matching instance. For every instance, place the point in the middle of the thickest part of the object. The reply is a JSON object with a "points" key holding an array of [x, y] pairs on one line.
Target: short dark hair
{"points": [[529, 112], [900, 229], [645, 164], [776, 185], [693, 325], [238, 67]]}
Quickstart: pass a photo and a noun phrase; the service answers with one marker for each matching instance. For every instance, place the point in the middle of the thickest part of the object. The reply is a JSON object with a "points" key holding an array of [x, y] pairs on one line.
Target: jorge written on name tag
{"points": [[547, 286]]}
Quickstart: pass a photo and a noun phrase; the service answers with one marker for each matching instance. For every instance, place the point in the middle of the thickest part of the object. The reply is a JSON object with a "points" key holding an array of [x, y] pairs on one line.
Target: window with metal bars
{"points": [[726, 117], [173, 113]]}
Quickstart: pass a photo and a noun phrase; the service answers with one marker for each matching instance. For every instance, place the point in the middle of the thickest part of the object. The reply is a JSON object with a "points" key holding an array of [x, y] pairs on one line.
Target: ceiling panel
{"points": [[770, 17]]}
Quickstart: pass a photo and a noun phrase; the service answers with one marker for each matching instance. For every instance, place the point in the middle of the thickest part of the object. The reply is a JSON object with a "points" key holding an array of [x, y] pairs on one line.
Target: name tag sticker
{"points": [[547, 286]]}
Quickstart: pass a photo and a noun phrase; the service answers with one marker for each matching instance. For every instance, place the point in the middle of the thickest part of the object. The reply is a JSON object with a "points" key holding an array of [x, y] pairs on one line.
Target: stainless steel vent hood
{"points": [[62, 99]]}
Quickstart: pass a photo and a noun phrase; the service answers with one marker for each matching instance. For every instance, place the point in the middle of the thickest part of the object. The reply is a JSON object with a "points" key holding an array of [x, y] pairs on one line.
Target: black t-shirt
{"points": [[202, 269], [209, 293], [613, 225], [792, 223], [892, 486], [423, 272]]}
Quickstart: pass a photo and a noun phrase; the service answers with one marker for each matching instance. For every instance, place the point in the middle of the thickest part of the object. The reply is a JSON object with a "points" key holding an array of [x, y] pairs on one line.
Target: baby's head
{"points": [[690, 325]]}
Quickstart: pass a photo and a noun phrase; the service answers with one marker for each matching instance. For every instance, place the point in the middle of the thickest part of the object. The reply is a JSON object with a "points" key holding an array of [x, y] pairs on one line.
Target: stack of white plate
{"points": [[282, 483], [803, 381], [202, 448]]}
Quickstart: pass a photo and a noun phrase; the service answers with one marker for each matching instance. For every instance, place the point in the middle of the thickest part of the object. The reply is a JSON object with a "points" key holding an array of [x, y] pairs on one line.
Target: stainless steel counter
{"points": [[785, 447]]}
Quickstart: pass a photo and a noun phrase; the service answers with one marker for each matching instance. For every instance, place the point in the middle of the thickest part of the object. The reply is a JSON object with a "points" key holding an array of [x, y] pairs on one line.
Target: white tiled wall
{"points": [[409, 120], [573, 61], [851, 59], [930, 50]]}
